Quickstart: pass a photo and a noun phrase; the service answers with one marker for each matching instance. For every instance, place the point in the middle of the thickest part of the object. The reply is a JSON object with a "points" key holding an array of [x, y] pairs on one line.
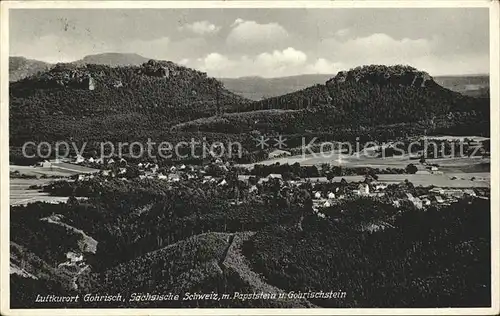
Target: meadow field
{"points": [[463, 180], [21, 194]]}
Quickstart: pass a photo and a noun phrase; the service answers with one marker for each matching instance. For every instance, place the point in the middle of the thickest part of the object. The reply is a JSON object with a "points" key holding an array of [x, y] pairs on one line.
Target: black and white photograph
{"points": [[238, 157]]}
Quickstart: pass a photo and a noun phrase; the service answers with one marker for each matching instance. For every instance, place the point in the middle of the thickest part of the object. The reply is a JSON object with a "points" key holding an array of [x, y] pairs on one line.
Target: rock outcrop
{"points": [[159, 69], [384, 75]]}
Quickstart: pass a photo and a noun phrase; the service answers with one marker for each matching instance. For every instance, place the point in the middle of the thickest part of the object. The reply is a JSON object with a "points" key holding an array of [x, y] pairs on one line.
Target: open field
{"points": [[367, 158], [21, 194], [63, 166], [56, 170], [334, 158], [41, 171], [458, 172], [457, 138], [463, 179]]}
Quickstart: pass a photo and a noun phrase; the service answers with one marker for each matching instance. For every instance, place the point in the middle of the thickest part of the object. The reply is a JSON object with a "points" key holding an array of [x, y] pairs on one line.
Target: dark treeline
{"points": [[131, 218], [438, 258]]}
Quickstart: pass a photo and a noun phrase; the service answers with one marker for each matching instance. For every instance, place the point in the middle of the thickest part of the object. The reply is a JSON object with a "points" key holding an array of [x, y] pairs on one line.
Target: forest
{"points": [[390, 267], [159, 98], [139, 224]]}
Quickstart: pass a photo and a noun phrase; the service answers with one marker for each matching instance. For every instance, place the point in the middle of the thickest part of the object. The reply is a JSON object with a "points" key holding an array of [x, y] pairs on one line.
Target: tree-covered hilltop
{"points": [[358, 100], [80, 98], [377, 94], [113, 59]]}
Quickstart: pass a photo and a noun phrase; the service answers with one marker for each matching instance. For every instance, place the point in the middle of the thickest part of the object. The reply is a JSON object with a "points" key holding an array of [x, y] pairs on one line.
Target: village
{"points": [[324, 192]]}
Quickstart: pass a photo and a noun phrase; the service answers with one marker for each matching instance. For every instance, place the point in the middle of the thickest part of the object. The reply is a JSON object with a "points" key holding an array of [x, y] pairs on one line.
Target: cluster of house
{"points": [[448, 195], [362, 189], [435, 196], [73, 259], [327, 199], [321, 198], [79, 160], [148, 170]]}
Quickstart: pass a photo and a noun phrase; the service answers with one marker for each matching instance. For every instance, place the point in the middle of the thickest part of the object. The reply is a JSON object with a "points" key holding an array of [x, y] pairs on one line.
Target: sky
{"points": [[262, 42]]}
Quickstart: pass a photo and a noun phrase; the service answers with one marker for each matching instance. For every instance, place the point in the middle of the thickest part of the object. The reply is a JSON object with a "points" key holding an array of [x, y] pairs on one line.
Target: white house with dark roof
{"points": [[79, 159], [363, 189], [45, 164]]}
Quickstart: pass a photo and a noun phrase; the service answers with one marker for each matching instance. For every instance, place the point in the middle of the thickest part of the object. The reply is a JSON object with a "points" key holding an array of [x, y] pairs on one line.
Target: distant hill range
{"points": [[258, 88], [20, 67]]}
